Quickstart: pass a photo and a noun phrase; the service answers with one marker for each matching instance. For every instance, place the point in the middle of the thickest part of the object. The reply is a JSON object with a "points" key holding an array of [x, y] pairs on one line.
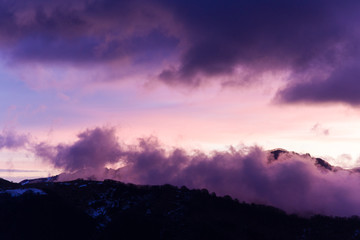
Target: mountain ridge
{"points": [[109, 209]]}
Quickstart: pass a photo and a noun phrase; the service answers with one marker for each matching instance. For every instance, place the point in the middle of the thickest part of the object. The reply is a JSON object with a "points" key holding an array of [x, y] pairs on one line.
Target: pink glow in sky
{"points": [[198, 76]]}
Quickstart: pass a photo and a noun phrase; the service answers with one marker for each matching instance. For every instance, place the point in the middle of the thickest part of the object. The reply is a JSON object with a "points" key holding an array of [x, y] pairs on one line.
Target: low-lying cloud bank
{"points": [[292, 182]]}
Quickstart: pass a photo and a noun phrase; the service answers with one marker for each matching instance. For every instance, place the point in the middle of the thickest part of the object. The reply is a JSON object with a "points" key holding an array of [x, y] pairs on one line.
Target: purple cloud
{"points": [[341, 86], [82, 31], [11, 140], [185, 43], [319, 129], [261, 36], [93, 150], [293, 182]]}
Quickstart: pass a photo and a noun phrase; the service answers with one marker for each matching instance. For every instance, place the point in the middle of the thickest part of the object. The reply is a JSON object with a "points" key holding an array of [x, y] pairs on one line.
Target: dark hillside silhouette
{"points": [[113, 210]]}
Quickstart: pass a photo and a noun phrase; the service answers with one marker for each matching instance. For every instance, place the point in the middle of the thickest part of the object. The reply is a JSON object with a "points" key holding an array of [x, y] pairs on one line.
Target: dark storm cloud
{"points": [[343, 85], [82, 31], [263, 35], [316, 41]]}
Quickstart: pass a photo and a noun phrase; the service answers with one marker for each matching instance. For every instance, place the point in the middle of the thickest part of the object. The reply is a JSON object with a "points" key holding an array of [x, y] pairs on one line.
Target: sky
{"points": [[196, 75]]}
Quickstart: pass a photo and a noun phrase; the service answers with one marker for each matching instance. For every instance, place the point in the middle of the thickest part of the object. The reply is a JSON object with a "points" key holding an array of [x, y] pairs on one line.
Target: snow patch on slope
{"points": [[18, 192]]}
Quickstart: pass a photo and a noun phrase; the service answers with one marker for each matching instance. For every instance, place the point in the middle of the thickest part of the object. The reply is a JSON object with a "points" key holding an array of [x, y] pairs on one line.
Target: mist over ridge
{"points": [[287, 180]]}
